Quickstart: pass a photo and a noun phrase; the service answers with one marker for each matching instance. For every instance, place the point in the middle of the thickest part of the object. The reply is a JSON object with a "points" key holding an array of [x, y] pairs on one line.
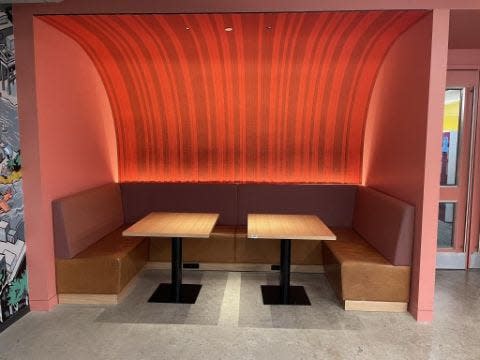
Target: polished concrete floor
{"points": [[229, 321]]}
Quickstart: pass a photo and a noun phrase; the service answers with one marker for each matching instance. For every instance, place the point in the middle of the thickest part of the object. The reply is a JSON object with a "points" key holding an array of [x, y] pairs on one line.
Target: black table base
{"points": [[188, 294], [284, 294], [272, 295], [176, 292]]}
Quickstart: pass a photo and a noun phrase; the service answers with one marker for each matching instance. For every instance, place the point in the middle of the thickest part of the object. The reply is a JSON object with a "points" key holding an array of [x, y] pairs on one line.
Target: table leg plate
{"points": [[188, 294], [297, 295]]}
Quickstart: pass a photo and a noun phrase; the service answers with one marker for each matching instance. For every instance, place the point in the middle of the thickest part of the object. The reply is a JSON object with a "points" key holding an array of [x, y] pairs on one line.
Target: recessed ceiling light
{"points": [[187, 27], [268, 28], [228, 29]]}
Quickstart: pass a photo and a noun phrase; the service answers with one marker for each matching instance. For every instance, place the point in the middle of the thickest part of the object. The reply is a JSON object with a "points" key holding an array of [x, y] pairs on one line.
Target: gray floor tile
{"points": [[136, 329]]}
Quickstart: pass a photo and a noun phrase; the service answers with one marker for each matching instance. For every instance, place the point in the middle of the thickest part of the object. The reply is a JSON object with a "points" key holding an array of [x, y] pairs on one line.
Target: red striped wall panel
{"points": [[281, 98]]}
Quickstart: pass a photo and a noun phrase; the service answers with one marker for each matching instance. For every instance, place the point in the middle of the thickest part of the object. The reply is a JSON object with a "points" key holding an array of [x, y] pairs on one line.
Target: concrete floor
{"points": [[230, 322]]}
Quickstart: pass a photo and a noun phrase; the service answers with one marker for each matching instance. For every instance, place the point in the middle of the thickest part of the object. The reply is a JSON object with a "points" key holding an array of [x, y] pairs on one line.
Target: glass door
{"points": [[455, 180]]}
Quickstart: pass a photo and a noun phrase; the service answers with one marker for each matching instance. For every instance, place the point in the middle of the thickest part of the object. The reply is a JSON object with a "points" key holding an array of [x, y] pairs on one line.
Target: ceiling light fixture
{"points": [[228, 29]]}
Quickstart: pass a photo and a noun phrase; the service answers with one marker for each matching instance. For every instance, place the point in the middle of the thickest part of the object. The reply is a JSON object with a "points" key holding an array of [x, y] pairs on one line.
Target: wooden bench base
{"points": [[311, 269], [98, 299], [381, 306], [113, 299]]}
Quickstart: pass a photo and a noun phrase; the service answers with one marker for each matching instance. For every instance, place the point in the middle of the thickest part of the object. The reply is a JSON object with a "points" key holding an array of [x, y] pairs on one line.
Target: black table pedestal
{"points": [[176, 292], [284, 294]]}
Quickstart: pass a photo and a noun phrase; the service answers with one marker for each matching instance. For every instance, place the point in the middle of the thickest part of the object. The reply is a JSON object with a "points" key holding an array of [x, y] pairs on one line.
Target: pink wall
{"points": [[76, 146], [464, 59], [464, 29], [402, 141], [396, 124]]}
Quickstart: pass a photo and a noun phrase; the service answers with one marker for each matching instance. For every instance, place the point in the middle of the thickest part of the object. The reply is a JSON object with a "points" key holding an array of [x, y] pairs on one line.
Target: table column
{"points": [[176, 269], [285, 255], [284, 293]]}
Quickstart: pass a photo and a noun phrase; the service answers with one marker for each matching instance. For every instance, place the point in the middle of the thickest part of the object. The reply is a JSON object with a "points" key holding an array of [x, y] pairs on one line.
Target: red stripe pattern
{"points": [[278, 98]]}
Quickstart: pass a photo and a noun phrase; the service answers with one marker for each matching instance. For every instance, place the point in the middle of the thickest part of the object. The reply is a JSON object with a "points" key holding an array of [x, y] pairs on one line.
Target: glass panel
{"points": [[446, 224], [450, 137]]}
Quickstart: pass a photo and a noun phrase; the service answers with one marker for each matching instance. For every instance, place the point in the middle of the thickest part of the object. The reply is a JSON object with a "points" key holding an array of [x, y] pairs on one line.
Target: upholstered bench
{"points": [[369, 265], [94, 263], [220, 245], [229, 245], [261, 251]]}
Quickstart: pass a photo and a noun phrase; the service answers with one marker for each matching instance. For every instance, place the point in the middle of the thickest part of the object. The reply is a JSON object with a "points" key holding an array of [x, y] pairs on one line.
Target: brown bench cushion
{"points": [[386, 223], [219, 248], [357, 271], [267, 251], [104, 267], [256, 251], [81, 219]]}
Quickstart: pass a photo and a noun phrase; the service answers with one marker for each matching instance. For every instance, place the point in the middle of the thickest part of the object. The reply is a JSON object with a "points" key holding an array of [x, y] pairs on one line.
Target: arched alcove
{"points": [[279, 98]]}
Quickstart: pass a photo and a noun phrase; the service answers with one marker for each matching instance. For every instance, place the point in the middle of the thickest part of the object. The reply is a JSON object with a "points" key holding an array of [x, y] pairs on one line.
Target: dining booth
{"points": [[367, 257], [327, 114]]}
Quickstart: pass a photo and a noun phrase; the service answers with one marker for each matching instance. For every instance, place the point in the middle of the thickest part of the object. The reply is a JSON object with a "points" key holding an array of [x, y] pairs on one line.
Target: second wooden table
{"points": [[286, 228], [175, 226]]}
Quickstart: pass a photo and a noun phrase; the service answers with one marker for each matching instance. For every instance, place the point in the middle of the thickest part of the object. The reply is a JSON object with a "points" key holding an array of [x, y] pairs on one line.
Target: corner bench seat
{"points": [[369, 265], [94, 262], [105, 267], [357, 271]]}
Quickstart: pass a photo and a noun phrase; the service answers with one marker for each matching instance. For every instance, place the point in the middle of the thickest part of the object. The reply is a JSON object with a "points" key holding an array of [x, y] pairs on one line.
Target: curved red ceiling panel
{"points": [[278, 98]]}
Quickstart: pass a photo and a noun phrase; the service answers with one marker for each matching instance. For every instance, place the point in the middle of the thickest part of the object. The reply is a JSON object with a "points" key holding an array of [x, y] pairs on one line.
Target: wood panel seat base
{"points": [[210, 266], [230, 245], [378, 306], [98, 299], [89, 299]]}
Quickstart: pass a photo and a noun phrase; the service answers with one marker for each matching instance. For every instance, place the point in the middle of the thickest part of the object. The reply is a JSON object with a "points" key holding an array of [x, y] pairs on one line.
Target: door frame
{"points": [[467, 192], [473, 260]]}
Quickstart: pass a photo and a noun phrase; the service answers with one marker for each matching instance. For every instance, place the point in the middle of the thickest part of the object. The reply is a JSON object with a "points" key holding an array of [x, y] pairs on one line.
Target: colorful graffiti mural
{"points": [[13, 276]]}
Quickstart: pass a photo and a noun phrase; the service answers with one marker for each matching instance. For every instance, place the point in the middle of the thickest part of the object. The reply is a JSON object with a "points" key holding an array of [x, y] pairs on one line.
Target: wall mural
{"points": [[13, 275]]}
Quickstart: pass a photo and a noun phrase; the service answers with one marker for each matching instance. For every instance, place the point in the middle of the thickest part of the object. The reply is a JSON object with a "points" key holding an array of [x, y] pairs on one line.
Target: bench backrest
{"points": [[81, 219], [333, 203], [386, 223], [140, 199]]}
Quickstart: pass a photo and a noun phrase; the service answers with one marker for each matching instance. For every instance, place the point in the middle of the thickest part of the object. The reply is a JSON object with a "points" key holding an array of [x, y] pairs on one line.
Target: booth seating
{"points": [[94, 263], [369, 265]]}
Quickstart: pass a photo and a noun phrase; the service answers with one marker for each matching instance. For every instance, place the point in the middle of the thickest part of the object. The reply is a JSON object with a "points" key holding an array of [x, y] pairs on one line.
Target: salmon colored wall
{"points": [[401, 154], [76, 139], [464, 29], [395, 127], [464, 59]]}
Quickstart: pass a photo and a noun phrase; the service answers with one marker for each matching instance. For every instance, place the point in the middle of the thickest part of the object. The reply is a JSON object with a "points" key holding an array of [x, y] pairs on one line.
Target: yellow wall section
{"points": [[450, 116]]}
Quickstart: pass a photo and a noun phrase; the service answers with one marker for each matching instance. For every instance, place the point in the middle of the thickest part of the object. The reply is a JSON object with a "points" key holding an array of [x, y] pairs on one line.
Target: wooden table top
{"points": [[291, 227], [165, 224]]}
